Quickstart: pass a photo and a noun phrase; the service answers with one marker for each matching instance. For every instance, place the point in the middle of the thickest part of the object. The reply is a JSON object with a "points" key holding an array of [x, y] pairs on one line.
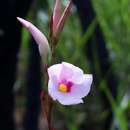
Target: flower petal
{"points": [[66, 71], [54, 70], [76, 73], [82, 90], [52, 87], [70, 101]]}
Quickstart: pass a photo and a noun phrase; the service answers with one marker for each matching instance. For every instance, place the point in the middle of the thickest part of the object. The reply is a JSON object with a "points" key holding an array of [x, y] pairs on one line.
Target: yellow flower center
{"points": [[63, 88]]}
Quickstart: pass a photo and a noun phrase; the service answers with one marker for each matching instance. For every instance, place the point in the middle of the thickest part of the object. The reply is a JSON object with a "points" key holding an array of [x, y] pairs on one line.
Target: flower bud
{"points": [[39, 37], [63, 18], [56, 14]]}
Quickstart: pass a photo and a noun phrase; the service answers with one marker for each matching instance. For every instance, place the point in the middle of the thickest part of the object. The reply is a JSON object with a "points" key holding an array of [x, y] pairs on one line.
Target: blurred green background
{"points": [[113, 17]]}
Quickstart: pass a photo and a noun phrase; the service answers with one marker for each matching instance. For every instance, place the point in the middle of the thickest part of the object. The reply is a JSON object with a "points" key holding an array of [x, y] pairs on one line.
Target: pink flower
{"points": [[39, 37], [68, 84]]}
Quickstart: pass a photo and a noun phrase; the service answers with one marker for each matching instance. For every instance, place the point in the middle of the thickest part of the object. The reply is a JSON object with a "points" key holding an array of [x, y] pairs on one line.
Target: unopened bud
{"points": [[39, 37]]}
